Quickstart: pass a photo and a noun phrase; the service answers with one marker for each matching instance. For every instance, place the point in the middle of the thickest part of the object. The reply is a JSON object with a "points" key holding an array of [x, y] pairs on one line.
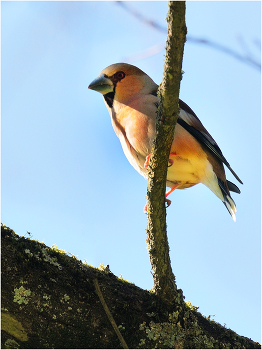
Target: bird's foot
{"points": [[168, 201], [170, 160], [170, 191], [147, 161]]}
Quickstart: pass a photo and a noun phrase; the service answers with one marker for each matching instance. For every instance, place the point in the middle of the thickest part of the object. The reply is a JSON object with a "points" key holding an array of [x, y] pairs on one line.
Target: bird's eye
{"points": [[119, 75]]}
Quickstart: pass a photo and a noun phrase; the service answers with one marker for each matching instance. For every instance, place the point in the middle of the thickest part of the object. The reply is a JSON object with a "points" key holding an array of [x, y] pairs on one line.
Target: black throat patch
{"points": [[109, 98]]}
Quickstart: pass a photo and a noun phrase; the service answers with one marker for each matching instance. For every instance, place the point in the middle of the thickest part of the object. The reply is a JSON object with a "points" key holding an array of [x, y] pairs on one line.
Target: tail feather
{"points": [[231, 207], [232, 187], [228, 201]]}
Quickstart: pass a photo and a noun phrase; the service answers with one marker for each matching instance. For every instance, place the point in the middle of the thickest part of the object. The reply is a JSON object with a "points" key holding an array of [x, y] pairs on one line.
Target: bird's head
{"points": [[122, 82]]}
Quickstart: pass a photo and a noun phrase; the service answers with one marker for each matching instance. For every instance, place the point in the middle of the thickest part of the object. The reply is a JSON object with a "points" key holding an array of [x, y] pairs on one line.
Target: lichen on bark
{"points": [[63, 310]]}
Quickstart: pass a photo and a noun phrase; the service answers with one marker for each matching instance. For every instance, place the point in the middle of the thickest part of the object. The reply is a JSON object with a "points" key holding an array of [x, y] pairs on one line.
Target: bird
{"points": [[130, 96]]}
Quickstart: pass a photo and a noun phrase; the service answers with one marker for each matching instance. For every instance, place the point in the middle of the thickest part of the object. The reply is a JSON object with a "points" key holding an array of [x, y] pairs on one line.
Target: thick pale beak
{"points": [[102, 84]]}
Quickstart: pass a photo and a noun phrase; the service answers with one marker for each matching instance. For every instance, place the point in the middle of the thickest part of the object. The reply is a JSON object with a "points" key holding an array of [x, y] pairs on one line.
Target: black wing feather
{"points": [[201, 137]]}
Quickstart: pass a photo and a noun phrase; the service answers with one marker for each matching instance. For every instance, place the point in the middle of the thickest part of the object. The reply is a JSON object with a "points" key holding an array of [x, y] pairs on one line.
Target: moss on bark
{"points": [[49, 300]]}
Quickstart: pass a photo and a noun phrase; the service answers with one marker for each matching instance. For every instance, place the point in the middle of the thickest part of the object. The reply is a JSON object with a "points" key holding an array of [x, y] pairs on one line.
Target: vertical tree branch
{"points": [[168, 92]]}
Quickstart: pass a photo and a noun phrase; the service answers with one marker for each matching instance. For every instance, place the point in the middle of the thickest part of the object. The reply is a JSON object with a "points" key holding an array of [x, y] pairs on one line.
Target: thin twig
{"points": [[246, 59], [109, 315], [202, 41]]}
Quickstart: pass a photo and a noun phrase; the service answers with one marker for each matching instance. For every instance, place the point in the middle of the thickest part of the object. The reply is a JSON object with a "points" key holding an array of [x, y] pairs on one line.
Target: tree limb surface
{"points": [[49, 301], [168, 110]]}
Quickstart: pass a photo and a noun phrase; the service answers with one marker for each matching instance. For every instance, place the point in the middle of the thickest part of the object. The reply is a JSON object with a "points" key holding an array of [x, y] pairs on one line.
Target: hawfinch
{"points": [[131, 99]]}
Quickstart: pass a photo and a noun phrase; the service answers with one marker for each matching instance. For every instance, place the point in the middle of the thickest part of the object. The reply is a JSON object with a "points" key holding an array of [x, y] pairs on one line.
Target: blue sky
{"points": [[65, 177]]}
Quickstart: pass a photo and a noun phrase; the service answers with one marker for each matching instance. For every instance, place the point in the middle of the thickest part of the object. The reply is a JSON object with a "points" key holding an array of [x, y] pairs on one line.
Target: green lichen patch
{"points": [[182, 330], [22, 295]]}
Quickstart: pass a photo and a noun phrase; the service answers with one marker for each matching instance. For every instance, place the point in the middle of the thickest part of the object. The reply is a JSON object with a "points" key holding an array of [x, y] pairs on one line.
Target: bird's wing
{"points": [[190, 122]]}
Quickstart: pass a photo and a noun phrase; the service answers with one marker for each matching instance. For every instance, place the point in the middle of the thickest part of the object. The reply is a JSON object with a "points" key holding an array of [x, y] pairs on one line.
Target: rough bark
{"points": [[50, 300], [164, 279]]}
